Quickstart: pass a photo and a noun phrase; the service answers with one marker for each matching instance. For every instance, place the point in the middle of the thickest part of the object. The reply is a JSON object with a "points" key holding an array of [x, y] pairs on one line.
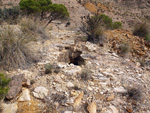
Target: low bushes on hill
{"points": [[9, 15], [94, 26], [143, 30]]}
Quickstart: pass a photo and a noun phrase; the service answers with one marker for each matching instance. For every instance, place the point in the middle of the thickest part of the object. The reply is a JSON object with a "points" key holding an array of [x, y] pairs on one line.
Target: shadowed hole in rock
{"points": [[133, 94], [71, 56], [75, 58]]}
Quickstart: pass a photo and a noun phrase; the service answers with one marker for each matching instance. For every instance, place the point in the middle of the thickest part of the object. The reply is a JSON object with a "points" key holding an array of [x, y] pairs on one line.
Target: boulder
{"points": [[9, 108], [15, 86], [40, 92], [25, 95]]}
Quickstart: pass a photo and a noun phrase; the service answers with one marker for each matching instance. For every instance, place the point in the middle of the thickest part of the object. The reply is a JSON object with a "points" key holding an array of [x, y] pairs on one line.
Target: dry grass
{"points": [[14, 52]]}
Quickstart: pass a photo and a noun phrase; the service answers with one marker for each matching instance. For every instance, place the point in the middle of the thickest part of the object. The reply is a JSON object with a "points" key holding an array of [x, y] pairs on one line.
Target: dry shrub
{"points": [[28, 25], [32, 27], [86, 74], [124, 48], [14, 52], [141, 30]]}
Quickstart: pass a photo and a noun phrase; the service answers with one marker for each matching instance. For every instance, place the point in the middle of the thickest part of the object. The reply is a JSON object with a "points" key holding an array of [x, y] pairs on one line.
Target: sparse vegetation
{"points": [[94, 27], [141, 30], [57, 11], [4, 81], [134, 94], [117, 25], [29, 6], [35, 6], [109, 24], [48, 68], [9, 15], [124, 48], [142, 62], [13, 50], [45, 7], [85, 75]]}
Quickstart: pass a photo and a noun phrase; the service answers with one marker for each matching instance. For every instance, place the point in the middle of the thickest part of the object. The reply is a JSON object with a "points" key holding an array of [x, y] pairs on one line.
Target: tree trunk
{"points": [[42, 14], [48, 22]]}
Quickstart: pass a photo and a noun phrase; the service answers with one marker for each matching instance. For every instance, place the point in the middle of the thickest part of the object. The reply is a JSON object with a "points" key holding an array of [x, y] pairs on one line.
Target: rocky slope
{"points": [[129, 12], [103, 80], [73, 76]]}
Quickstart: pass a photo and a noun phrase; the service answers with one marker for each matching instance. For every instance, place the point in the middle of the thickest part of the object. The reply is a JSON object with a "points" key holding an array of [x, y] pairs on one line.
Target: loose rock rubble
{"points": [[110, 83]]}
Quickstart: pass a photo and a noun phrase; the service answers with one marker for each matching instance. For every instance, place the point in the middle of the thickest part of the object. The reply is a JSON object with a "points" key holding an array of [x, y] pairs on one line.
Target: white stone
{"points": [[10, 108], [89, 88], [114, 109], [25, 95], [40, 92], [120, 90], [72, 70], [90, 46], [70, 84], [58, 89], [68, 112]]}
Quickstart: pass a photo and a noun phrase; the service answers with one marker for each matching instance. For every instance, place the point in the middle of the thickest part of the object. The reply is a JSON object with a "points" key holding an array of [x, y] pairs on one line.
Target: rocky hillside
{"points": [[72, 75], [83, 74], [129, 12]]}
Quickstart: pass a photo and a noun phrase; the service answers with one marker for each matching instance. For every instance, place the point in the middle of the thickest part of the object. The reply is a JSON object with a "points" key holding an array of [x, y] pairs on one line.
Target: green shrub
{"points": [[124, 48], [57, 12], [147, 37], [10, 14], [34, 6], [141, 30], [107, 21], [4, 81], [30, 6], [86, 74], [44, 6], [117, 25], [94, 27], [48, 68]]}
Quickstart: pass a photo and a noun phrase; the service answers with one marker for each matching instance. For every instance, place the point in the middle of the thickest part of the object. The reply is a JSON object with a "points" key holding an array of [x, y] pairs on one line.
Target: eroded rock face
{"points": [[71, 56], [15, 86], [64, 57]]}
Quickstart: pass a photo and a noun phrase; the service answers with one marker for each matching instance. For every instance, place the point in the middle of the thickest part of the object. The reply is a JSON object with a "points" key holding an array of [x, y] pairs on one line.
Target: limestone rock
{"points": [[120, 90], [129, 109], [111, 97], [40, 92], [15, 86], [9, 108], [90, 46], [25, 95], [92, 108], [78, 100], [70, 84], [114, 109], [72, 70]]}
